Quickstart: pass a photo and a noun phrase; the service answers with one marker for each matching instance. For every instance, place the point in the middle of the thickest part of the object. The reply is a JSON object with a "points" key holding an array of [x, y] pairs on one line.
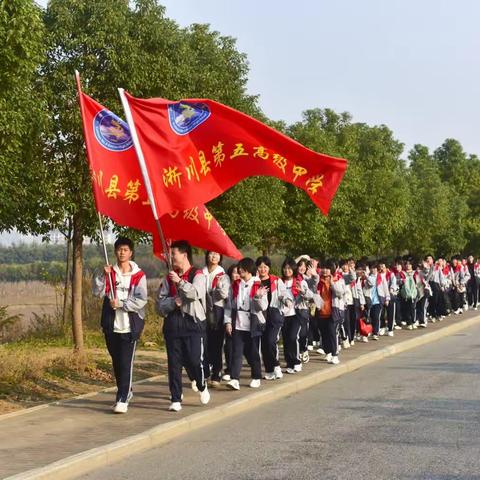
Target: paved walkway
{"points": [[41, 436]]}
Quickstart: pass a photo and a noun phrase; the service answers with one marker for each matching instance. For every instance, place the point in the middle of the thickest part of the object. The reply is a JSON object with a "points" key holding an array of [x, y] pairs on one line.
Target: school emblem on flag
{"points": [[185, 117], [111, 131]]}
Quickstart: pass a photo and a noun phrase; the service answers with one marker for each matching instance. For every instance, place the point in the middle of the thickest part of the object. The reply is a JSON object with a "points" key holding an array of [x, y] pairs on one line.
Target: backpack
{"points": [[409, 288]]}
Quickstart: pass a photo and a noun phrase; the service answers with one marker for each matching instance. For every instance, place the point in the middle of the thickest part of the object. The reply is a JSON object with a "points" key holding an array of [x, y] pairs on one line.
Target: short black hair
{"points": [[330, 264], [210, 251], [184, 247], [123, 241], [248, 265], [290, 262], [231, 268], [264, 259]]}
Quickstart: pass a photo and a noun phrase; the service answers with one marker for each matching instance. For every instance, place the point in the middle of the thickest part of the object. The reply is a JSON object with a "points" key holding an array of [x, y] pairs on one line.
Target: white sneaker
{"points": [[310, 348], [270, 376], [120, 407], [297, 367], [346, 344], [365, 339], [433, 320], [403, 323], [374, 337], [381, 332], [390, 334], [226, 378], [194, 386], [213, 383], [305, 357], [422, 325], [321, 351], [175, 407], [328, 357], [335, 361], [278, 373], [352, 343], [234, 384], [397, 327], [255, 383], [465, 308], [204, 396], [291, 370], [409, 327]]}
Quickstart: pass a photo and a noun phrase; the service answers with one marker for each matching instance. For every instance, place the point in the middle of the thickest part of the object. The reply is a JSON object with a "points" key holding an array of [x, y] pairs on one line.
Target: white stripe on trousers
{"points": [[131, 367]]}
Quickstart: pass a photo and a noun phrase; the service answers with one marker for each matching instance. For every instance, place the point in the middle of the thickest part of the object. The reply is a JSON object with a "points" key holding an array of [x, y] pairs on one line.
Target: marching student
{"points": [[349, 325], [388, 279], [477, 282], [359, 299], [246, 323], [276, 301], [472, 290], [216, 295], [331, 289], [233, 275], [307, 268], [433, 275], [467, 277], [181, 301], [424, 293], [379, 297], [123, 314], [367, 289], [459, 285], [296, 312], [408, 296]]}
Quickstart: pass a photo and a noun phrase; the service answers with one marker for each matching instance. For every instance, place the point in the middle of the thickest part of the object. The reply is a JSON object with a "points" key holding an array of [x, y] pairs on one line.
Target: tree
{"points": [[371, 205], [133, 45], [21, 111]]}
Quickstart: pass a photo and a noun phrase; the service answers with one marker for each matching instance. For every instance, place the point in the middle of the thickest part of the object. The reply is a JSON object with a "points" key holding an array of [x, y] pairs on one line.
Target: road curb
{"points": [[96, 458]]}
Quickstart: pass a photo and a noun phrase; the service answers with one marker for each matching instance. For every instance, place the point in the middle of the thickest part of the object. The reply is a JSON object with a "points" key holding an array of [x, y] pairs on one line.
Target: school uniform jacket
{"points": [[134, 305], [189, 319]]}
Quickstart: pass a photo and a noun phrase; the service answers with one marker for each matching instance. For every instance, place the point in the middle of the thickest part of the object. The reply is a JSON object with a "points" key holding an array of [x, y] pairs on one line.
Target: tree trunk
{"points": [[67, 275], [77, 276]]}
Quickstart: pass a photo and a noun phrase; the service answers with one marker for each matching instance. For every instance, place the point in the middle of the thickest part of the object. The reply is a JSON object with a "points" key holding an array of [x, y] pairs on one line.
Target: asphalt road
{"points": [[412, 416]]}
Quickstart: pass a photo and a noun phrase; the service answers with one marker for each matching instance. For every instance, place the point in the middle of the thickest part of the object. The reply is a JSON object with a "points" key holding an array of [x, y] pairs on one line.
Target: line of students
{"points": [[214, 319]]}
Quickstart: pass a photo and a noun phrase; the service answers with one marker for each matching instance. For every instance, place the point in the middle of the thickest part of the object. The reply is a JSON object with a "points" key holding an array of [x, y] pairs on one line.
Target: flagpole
{"points": [[146, 178], [105, 253]]}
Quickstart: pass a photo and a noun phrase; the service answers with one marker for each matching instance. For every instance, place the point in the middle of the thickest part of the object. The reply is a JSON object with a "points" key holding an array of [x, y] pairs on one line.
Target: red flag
{"points": [[196, 149], [120, 192]]}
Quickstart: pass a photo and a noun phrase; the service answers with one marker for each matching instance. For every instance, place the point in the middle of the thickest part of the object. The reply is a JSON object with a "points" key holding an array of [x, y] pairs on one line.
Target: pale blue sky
{"points": [[412, 65]]}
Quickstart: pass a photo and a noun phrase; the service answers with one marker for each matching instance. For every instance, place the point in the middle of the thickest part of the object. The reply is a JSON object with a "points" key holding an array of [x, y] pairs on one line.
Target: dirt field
{"points": [[27, 298]]}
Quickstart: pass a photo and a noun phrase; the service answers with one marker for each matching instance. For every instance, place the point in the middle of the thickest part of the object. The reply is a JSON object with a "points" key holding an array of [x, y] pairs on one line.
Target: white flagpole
{"points": [[143, 168], [102, 236]]}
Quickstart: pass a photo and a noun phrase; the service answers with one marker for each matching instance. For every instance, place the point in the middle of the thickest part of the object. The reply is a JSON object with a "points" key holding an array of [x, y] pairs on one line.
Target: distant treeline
{"points": [[47, 262]]}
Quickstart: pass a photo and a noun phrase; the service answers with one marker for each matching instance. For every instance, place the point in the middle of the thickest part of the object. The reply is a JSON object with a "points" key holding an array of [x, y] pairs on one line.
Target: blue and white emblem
{"points": [[185, 117], [111, 131]]}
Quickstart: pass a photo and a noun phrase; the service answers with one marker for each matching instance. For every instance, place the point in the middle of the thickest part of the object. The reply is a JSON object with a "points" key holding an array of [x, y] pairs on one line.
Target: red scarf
{"points": [[236, 288], [185, 277], [134, 280], [296, 283], [216, 279]]}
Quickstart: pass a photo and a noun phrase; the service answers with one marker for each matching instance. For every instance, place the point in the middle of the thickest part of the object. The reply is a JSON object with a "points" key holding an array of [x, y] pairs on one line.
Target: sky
{"points": [[412, 65]]}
